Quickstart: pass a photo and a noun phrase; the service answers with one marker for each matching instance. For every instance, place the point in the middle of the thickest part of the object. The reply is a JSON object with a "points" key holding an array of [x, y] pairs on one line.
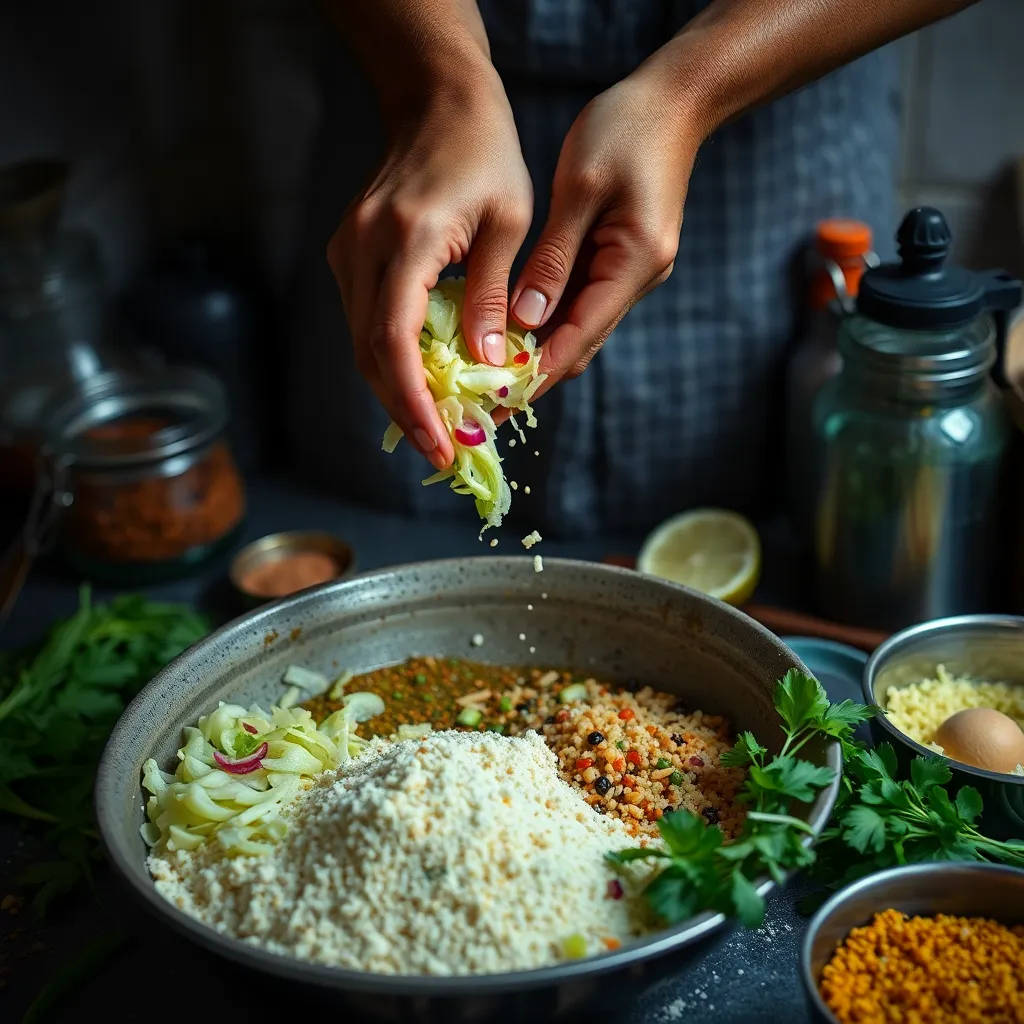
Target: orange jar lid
{"points": [[842, 239], [845, 242]]}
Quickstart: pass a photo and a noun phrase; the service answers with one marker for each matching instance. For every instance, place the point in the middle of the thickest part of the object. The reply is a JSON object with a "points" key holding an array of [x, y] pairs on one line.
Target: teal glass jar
{"points": [[910, 446]]}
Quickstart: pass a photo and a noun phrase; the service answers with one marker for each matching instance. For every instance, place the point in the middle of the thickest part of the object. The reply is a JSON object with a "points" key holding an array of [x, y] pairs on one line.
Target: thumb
{"points": [[485, 311], [546, 274]]}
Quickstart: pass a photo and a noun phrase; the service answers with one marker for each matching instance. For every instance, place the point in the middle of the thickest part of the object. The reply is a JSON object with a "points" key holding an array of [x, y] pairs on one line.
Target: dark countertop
{"points": [[747, 979]]}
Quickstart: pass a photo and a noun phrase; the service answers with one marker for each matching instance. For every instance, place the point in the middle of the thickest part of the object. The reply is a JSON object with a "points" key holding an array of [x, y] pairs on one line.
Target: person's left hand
{"points": [[616, 212]]}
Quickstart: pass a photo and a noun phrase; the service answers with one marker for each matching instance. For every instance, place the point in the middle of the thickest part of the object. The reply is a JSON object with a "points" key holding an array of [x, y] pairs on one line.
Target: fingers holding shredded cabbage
{"points": [[467, 393]]}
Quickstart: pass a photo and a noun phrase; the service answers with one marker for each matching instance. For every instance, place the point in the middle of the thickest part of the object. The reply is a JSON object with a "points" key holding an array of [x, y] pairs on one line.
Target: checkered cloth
{"points": [[683, 407]]}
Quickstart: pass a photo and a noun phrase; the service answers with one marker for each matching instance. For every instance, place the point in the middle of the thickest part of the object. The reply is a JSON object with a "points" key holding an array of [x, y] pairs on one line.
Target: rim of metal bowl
{"points": [[326, 977], [879, 880], [996, 623]]}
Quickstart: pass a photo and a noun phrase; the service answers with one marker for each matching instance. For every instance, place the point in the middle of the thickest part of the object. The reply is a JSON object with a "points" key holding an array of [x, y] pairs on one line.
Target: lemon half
{"points": [[711, 550]]}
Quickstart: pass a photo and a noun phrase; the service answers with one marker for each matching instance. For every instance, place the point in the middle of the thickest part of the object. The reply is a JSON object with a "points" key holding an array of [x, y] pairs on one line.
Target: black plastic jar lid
{"points": [[920, 292]]}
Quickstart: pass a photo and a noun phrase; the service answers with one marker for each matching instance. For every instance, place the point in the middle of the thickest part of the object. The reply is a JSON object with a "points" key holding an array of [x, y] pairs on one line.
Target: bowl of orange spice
{"points": [[938, 943], [285, 563]]}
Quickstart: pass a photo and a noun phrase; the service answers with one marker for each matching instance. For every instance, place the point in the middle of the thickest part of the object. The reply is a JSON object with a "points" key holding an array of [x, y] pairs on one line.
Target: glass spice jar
{"points": [[149, 483]]}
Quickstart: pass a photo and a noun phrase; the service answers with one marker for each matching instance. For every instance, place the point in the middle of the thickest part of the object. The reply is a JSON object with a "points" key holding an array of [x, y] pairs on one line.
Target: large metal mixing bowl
{"points": [[613, 623]]}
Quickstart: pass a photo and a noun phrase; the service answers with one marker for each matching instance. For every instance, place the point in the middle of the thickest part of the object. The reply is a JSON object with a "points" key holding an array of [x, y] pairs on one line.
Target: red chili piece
{"points": [[633, 758], [521, 358], [584, 763]]}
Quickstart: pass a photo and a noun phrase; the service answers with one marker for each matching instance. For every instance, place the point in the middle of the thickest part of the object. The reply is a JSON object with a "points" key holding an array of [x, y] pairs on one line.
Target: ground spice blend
{"points": [[927, 970], [151, 517]]}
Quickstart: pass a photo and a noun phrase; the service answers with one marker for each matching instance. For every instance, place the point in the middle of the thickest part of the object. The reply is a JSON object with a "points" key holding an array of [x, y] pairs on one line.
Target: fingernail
{"points": [[530, 306], [436, 460], [494, 349], [426, 443]]}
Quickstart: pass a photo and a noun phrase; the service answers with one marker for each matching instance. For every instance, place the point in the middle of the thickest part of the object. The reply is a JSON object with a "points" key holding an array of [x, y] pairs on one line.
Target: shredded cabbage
{"points": [[466, 390], [201, 801]]}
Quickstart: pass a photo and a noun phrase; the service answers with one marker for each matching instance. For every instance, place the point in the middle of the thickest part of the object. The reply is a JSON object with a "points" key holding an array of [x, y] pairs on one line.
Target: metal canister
{"points": [[911, 441]]}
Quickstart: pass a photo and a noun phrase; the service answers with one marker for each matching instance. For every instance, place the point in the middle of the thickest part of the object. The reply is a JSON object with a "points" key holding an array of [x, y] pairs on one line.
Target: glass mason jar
{"points": [[147, 481], [910, 442]]}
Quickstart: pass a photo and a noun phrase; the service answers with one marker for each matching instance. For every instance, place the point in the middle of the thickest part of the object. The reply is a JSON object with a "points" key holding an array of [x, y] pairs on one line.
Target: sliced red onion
{"points": [[242, 765], [470, 433], [503, 391], [250, 728], [614, 889]]}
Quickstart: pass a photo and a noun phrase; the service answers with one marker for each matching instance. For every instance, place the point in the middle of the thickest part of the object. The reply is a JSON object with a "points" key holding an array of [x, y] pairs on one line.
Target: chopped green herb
{"points": [[621, 744], [469, 717], [398, 695], [663, 762], [676, 778], [59, 701], [420, 678], [505, 704], [498, 728], [572, 693]]}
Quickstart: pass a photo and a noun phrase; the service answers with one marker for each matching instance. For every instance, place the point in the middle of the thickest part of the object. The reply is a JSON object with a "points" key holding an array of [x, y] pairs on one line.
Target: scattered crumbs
{"points": [[529, 607], [513, 485], [270, 638], [533, 650], [494, 542], [526, 489], [295, 634], [530, 539], [536, 453], [538, 565], [740, 970], [511, 442], [543, 597], [522, 636], [477, 640]]}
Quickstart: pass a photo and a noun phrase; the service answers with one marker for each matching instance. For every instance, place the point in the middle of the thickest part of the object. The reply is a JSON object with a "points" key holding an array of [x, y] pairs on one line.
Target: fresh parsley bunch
{"points": [[880, 821], [58, 703], [700, 872]]}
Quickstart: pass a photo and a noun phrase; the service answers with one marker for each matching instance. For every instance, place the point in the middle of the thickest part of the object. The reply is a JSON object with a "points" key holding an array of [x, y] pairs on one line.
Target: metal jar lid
{"points": [[188, 405]]}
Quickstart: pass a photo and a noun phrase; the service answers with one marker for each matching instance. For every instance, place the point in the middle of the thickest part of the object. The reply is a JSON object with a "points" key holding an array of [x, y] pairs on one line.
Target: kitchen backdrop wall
{"points": [[189, 114]]}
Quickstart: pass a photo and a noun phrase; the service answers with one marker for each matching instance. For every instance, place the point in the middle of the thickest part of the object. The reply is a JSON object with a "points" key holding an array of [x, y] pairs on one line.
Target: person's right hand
{"points": [[453, 187]]}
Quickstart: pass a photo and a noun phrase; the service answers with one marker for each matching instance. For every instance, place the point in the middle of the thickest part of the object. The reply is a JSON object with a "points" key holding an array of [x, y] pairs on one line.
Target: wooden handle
{"points": [[788, 623]]}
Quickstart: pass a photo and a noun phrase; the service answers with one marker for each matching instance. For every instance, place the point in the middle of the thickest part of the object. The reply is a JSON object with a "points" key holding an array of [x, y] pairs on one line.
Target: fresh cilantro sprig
{"points": [[701, 872], [881, 821], [59, 701]]}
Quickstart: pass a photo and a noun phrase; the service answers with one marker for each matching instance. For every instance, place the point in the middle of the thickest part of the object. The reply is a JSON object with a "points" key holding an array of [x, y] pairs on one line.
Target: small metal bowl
{"points": [[966, 890], [982, 646], [276, 546]]}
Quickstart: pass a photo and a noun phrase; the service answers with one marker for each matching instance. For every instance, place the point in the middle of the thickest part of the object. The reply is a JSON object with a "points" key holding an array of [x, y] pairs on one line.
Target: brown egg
{"points": [[983, 737]]}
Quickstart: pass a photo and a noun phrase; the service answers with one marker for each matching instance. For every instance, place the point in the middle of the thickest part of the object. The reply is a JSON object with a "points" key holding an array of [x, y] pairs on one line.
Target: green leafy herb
{"points": [[699, 872], [58, 702], [881, 821]]}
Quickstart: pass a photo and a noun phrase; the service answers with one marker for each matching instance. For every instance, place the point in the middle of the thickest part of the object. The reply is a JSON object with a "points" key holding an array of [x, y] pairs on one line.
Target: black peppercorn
{"points": [[521, 707], [602, 784], [711, 813], [550, 720], [677, 739], [595, 737]]}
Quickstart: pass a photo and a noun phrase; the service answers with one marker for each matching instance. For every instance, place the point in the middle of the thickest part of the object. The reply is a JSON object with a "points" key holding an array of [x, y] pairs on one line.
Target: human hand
{"points": [[613, 229], [453, 187]]}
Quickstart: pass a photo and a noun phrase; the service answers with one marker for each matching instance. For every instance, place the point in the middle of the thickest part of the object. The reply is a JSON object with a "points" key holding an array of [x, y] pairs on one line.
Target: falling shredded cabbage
{"points": [[201, 801], [465, 390]]}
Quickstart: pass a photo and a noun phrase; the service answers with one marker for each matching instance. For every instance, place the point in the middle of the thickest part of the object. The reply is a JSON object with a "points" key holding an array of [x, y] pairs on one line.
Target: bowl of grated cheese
{"points": [[435, 834]]}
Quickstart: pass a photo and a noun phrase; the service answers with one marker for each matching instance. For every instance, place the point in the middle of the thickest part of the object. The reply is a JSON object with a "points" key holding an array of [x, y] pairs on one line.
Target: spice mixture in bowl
{"points": [[635, 753]]}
